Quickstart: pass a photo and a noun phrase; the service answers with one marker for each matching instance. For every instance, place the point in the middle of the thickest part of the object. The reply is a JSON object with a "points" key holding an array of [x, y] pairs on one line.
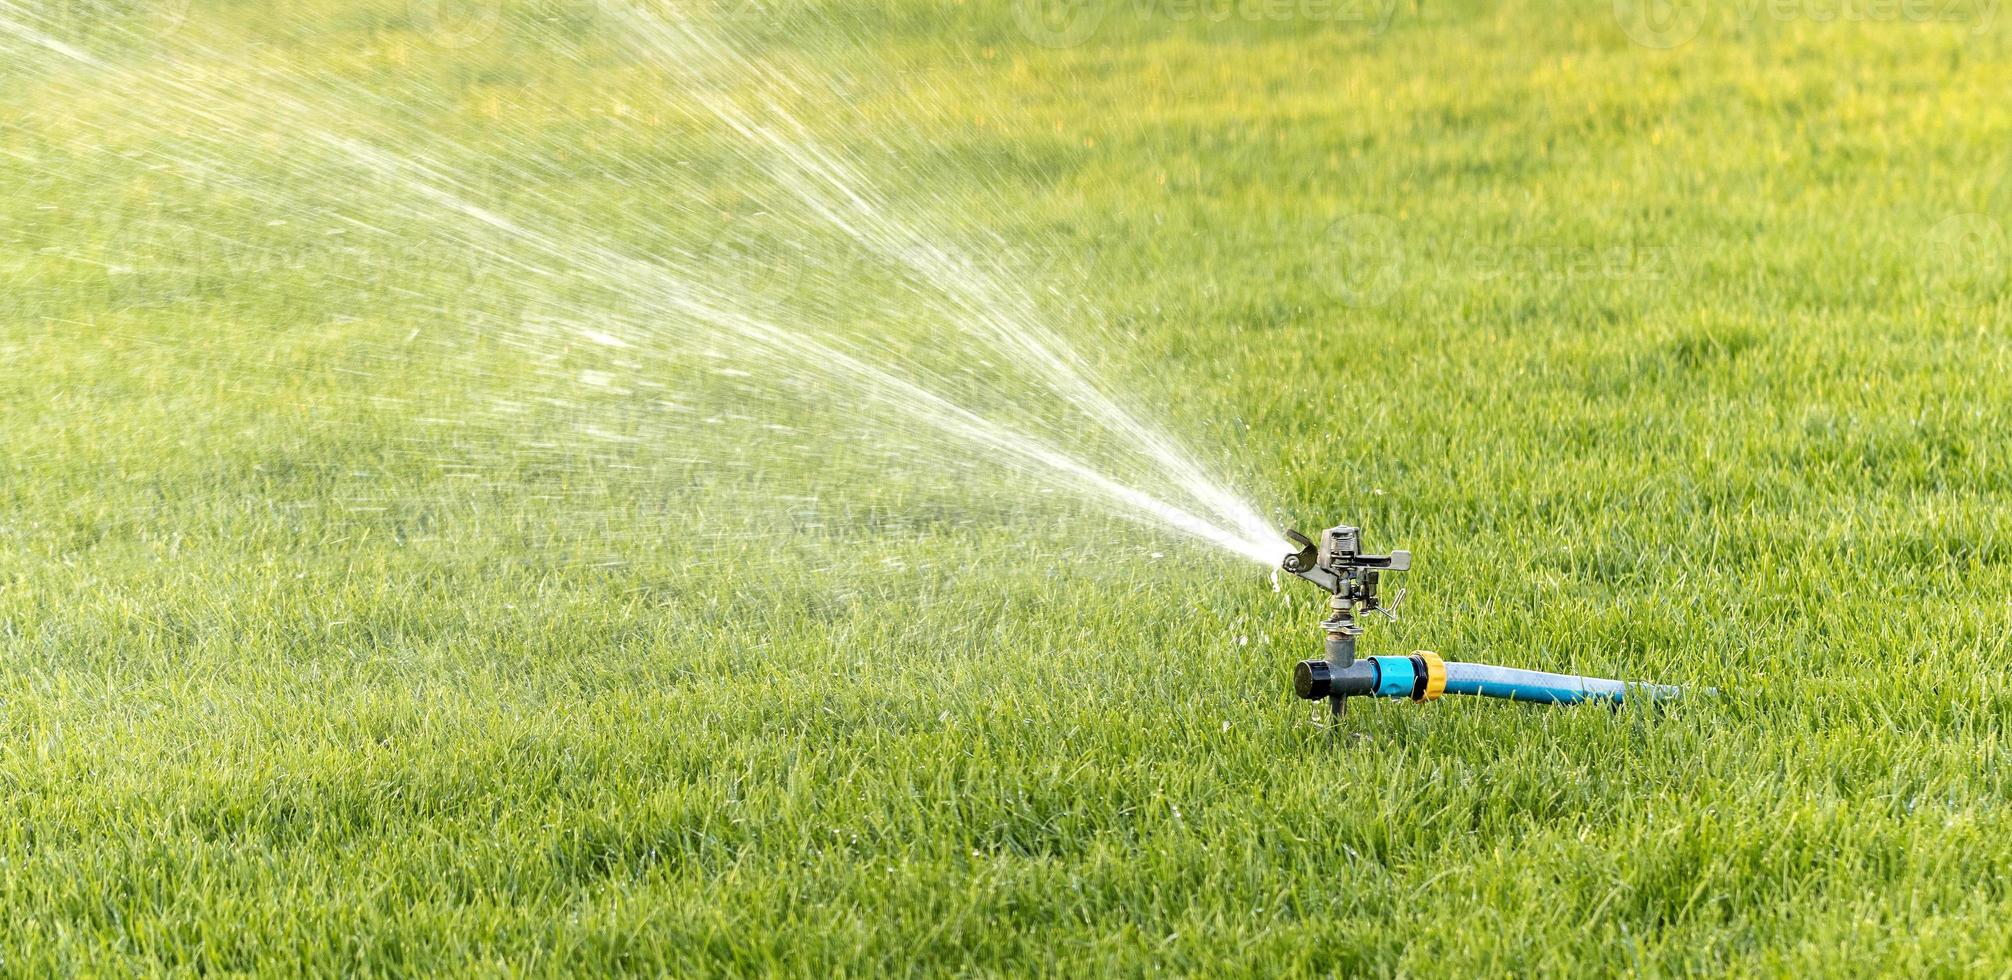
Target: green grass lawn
{"points": [[351, 624]]}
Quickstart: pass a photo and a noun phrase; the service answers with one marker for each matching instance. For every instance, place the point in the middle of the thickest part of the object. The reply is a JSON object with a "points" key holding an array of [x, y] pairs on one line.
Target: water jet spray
{"points": [[1338, 565]]}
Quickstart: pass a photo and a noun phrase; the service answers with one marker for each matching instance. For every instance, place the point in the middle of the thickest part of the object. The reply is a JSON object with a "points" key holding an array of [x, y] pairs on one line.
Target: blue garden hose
{"points": [[1424, 676], [1511, 684]]}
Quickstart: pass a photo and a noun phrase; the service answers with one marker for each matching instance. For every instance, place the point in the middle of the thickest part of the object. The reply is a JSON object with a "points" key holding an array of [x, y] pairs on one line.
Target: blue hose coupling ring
{"points": [[1420, 677], [1396, 677]]}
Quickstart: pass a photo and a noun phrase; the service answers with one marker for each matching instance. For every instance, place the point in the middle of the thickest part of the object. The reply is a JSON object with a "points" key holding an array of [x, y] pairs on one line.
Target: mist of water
{"points": [[964, 376]]}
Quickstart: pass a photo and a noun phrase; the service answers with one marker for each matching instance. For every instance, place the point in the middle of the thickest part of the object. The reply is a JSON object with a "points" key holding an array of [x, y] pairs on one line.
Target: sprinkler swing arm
{"points": [[1337, 564]]}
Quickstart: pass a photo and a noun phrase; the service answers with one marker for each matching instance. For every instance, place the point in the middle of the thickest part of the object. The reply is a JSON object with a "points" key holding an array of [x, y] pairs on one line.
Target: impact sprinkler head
{"points": [[1350, 578]]}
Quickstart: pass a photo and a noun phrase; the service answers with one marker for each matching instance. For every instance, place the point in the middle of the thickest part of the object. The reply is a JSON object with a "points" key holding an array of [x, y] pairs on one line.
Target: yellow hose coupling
{"points": [[1435, 676]]}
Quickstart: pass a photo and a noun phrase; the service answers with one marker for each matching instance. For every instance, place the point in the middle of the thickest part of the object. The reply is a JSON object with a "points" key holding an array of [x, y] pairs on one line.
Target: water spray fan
{"points": [[1351, 578]]}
